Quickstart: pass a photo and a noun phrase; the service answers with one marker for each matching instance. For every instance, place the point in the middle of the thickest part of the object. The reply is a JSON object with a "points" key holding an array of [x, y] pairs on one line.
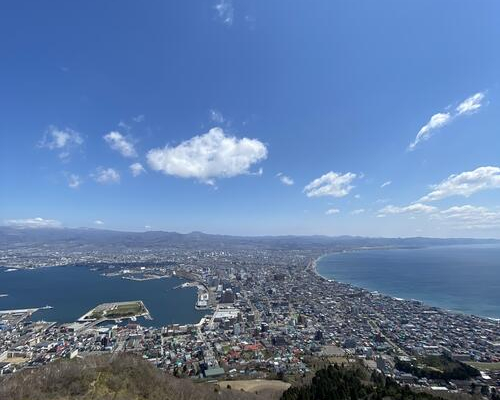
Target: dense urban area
{"points": [[269, 315]]}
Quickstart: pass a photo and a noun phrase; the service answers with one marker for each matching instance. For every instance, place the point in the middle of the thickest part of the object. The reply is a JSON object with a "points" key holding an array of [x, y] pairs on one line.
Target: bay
{"points": [[462, 279], [73, 290]]}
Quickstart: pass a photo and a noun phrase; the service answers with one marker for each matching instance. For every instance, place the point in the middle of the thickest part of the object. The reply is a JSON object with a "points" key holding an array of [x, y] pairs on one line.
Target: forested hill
{"points": [[339, 383]]}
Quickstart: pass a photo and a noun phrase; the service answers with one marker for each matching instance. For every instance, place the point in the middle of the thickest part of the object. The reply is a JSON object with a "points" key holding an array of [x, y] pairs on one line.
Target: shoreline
{"points": [[202, 295], [313, 266], [191, 315]]}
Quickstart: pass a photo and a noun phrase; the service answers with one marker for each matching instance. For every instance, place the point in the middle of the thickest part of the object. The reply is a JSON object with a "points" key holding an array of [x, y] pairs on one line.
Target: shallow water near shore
{"points": [[73, 291], [463, 279]]}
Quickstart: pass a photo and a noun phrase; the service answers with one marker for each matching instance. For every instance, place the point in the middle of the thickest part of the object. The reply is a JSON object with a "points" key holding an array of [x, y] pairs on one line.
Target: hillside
{"points": [[335, 382], [129, 377], [85, 239], [124, 377]]}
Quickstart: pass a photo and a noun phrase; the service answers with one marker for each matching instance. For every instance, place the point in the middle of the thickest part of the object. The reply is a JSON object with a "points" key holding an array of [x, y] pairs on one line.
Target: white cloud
{"points": [[138, 118], [216, 116], [437, 121], [74, 181], [34, 223], [456, 217], [465, 184], [62, 140], [136, 169], [98, 222], [469, 217], [358, 211], [285, 180], [332, 211], [225, 11], [106, 175], [470, 105], [119, 143], [385, 184], [416, 208], [208, 156], [330, 184]]}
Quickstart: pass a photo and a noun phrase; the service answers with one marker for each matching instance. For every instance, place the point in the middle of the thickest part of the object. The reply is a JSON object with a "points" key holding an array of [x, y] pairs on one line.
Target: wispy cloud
{"points": [[124, 125], [98, 222], [62, 140], [137, 169], [138, 118], [208, 157], [465, 184], [119, 143], [106, 175], [383, 185], [416, 208], [471, 104], [285, 180], [469, 217], [225, 11], [259, 172], [332, 211], [455, 217], [358, 211], [437, 121], [37, 222], [331, 184], [216, 116], [74, 181], [468, 106]]}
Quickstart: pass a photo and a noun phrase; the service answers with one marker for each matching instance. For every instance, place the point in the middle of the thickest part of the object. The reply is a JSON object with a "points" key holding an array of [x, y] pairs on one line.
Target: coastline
{"points": [[203, 294], [154, 293], [313, 266]]}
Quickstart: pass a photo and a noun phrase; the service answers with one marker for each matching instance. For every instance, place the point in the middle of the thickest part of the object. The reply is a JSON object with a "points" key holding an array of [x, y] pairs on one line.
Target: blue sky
{"points": [[377, 118]]}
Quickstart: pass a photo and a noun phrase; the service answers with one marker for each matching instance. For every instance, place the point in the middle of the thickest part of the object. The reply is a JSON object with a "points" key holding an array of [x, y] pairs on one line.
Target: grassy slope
{"points": [[125, 377]]}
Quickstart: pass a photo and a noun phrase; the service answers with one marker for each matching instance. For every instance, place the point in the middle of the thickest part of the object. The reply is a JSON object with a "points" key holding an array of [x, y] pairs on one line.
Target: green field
{"points": [[118, 310]]}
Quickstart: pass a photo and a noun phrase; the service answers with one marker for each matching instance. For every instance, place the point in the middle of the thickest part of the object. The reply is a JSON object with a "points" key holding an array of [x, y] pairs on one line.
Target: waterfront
{"points": [[265, 304], [458, 278], [72, 291]]}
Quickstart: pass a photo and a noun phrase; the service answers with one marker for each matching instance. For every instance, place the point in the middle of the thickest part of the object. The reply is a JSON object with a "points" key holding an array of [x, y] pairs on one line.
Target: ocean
{"points": [[464, 279], [72, 291]]}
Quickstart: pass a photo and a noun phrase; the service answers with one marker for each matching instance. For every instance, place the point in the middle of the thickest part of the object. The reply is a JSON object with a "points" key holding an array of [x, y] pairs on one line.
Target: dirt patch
{"points": [[272, 389]]}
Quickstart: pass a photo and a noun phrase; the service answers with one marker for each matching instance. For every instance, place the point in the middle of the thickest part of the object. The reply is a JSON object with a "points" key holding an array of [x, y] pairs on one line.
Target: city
{"points": [[268, 315], [250, 200]]}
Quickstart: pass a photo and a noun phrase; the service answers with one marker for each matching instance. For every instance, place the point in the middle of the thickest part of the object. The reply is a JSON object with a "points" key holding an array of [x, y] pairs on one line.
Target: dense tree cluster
{"points": [[335, 382], [438, 367]]}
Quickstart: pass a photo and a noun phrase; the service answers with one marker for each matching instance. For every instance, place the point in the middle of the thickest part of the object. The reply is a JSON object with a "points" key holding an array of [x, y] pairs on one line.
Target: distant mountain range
{"points": [[15, 237]]}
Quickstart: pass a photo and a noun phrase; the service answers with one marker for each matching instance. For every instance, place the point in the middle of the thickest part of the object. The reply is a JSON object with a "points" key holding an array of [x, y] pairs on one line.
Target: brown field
{"points": [[16, 360], [270, 388], [484, 366]]}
